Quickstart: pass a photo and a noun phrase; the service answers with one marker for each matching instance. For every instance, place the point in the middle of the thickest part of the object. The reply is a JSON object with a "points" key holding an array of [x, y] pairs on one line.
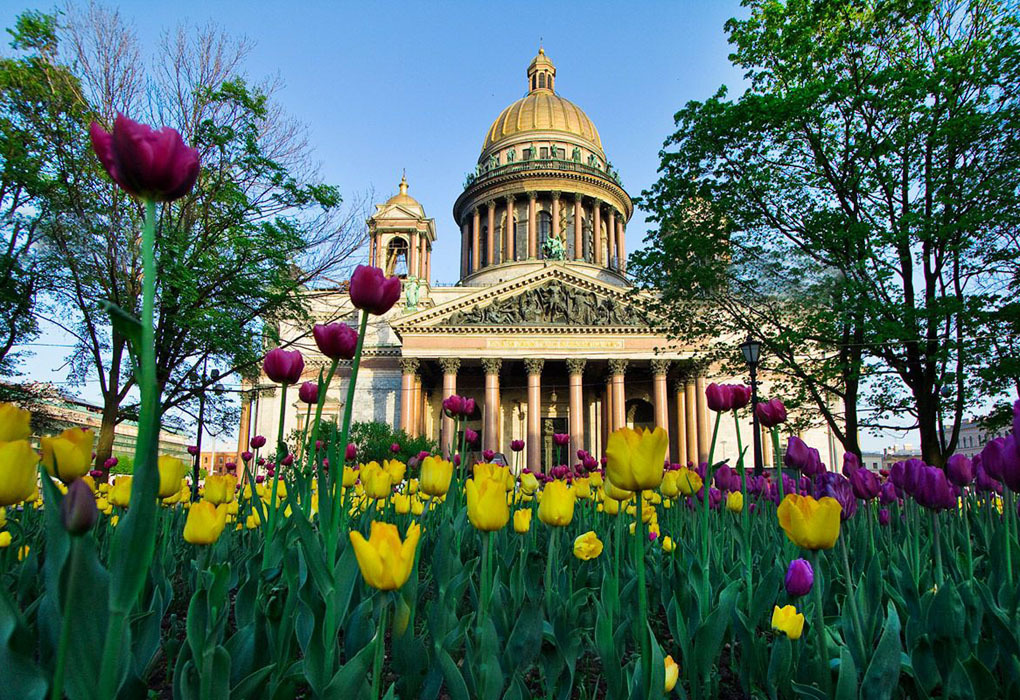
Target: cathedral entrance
{"points": [[552, 454]]}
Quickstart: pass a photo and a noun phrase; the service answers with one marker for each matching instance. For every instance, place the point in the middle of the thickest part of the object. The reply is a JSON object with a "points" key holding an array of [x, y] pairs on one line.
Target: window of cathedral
{"points": [[543, 153], [541, 80], [544, 228], [396, 257], [483, 251]]}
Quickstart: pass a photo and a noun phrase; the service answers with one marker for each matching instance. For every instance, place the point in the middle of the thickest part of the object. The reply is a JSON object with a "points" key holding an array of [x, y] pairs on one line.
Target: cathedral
{"points": [[543, 328]]}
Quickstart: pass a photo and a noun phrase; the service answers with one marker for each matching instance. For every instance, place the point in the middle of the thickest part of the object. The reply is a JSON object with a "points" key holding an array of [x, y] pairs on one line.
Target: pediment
{"points": [[554, 299], [396, 211]]}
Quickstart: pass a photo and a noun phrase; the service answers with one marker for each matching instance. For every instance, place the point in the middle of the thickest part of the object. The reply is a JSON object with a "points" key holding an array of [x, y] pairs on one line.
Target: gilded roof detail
{"points": [[543, 110]]}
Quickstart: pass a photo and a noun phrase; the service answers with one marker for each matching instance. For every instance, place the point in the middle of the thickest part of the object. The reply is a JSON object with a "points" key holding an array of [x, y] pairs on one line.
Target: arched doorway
{"points": [[640, 414]]}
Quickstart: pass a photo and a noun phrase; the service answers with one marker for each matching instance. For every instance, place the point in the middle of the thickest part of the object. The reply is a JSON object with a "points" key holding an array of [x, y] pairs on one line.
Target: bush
{"points": [[374, 440]]}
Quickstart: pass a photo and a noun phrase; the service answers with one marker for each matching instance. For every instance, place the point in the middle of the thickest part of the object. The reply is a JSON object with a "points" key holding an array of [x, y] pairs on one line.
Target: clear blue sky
{"points": [[387, 86]]}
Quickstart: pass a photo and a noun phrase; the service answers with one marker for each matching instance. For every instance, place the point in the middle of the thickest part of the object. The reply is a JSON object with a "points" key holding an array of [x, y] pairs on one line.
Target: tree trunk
{"points": [[104, 448]]}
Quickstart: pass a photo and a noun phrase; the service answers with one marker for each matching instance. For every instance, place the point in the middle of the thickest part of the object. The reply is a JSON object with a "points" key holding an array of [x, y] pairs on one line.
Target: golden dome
{"points": [[404, 199], [542, 110]]}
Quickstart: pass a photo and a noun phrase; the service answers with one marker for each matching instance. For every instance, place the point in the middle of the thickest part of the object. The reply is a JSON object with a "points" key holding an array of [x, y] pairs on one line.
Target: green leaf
{"points": [[846, 686], [351, 681], [22, 677], [123, 322], [780, 662], [883, 671]]}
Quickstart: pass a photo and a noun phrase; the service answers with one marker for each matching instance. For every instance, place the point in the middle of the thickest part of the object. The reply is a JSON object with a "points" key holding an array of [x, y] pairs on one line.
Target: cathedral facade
{"points": [[543, 327]]}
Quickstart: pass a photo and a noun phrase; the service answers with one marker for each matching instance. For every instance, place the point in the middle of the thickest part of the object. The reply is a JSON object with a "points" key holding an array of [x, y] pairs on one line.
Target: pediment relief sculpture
{"points": [[554, 304]]}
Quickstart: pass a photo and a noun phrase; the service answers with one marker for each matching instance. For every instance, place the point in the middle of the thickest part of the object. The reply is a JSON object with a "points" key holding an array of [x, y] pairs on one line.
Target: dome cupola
{"points": [[541, 73]]}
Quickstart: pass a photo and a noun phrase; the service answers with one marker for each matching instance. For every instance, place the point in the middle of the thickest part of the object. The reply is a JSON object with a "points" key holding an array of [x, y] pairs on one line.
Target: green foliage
{"points": [[374, 440], [853, 207]]}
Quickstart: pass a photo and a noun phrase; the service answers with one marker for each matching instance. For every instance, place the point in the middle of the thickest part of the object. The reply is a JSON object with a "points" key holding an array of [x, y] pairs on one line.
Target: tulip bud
{"points": [[78, 508], [517, 445], [144, 162], [471, 436], [561, 439], [883, 517], [230, 466], [309, 393], [771, 413], [110, 463], [284, 366], [257, 442], [799, 578], [960, 470], [246, 456], [372, 291], [395, 448], [351, 453], [288, 460], [193, 450], [337, 341]]}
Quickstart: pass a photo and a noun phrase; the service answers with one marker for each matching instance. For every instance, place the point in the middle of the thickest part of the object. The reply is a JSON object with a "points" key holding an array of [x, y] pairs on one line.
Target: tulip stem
{"points": [[380, 646], [745, 522], [280, 449], [851, 596], [965, 500], [548, 572], [823, 650], [642, 620], [777, 462], [65, 624], [348, 408], [940, 578], [706, 549]]}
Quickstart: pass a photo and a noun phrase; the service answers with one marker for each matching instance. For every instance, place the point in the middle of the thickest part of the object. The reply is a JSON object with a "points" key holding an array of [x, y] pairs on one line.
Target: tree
{"points": [[234, 256], [845, 205]]}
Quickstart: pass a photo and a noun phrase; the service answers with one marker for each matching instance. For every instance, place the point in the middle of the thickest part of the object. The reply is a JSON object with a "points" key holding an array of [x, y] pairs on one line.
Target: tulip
{"points": [[18, 472], [471, 437], [635, 458], [672, 673], [78, 510], [522, 520], [372, 291], [453, 405], [933, 490], [982, 480], [486, 503], [205, 523], [5, 539], [401, 503], [667, 544], [798, 455], [257, 442], [517, 445], [144, 162], [726, 479], [850, 464], [529, 482], [435, 476], [809, 523], [883, 517], [337, 341], [799, 578], [735, 502], [120, 492], [192, 450], [839, 488], [377, 481], [487, 455], [309, 393], [171, 471], [688, 481], [787, 620], [960, 470], [561, 439], [582, 488], [888, 493], [220, 489], [771, 413], [865, 484], [556, 508], [718, 397], [284, 366], [14, 423], [740, 395], [587, 546], [396, 469], [384, 560], [69, 455]]}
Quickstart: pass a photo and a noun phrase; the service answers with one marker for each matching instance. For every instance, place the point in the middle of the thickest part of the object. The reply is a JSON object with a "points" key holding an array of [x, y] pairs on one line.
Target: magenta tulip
{"points": [[284, 366], [193, 450], [337, 341], [799, 578], [771, 413], [718, 397], [740, 395], [395, 448], [309, 393], [246, 456], [487, 455], [517, 445], [372, 291], [960, 470], [257, 442], [471, 436], [561, 439], [145, 162], [352, 452]]}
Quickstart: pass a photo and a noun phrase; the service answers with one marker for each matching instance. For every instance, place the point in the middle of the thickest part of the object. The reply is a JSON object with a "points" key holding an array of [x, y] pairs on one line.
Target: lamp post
{"points": [[942, 393], [751, 349], [214, 375]]}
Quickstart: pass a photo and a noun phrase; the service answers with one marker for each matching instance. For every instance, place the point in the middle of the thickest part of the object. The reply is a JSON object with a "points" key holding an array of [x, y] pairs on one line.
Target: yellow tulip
{"points": [[171, 471], [68, 455], [350, 476], [378, 482], [522, 520], [435, 477], [384, 560], [647, 513], [635, 459], [18, 473], [786, 619], [401, 503], [5, 539], [557, 505], [486, 504], [667, 544], [412, 486], [610, 505], [14, 423], [688, 481], [670, 487], [417, 507], [810, 524], [735, 502], [205, 523], [596, 479], [23, 551], [529, 483], [614, 491], [582, 488], [120, 492], [587, 546], [396, 469], [672, 673], [220, 488]]}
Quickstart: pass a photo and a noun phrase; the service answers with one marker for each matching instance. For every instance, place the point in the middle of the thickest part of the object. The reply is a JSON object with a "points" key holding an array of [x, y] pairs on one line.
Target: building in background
{"points": [[543, 328], [973, 437]]}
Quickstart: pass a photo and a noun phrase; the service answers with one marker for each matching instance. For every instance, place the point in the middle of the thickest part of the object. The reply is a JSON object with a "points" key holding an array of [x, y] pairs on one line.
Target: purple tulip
{"points": [[351, 452], [309, 393], [913, 470], [144, 162], [96, 473], [932, 489], [230, 466], [193, 450], [395, 448], [982, 480], [372, 291], [960, 470], [865, 484], [839, 488], [559, 472], [897, 473], [337, 341], [517, 445], [718, 397], [771, 413], [803, 458], [726, 479], [471, 436], [453, 405], [561, 439], [456, 460], [288, 460], [883, 517], [799, 578], [257, 442], [850, 464], [740, 395], [487, 455], [260, 479], [1010, 465], [284, 366], [246, 456], [78, 510]]}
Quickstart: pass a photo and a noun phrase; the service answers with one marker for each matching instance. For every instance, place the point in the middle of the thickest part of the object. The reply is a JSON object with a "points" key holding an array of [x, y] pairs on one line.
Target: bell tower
{"points": [[401, 238]]}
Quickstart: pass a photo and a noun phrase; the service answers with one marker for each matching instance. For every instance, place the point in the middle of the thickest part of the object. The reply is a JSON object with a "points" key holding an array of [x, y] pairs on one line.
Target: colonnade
{"points": [[690, 430], [488, 232]]}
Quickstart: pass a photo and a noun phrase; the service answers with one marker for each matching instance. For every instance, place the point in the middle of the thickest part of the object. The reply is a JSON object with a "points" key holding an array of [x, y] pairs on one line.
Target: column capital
{"points": [[492, 365], [409, 365], [476, 210], [491, 204], [509, 199], [660, 366], [534, 365], [532, 195], [575, 365], [450, 365], [617, 366], [679, 385], [578, 197], [556, 194]]}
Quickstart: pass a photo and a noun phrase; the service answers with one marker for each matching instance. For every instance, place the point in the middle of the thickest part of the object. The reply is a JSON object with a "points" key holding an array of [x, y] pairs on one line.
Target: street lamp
{"points": [[751, 349], [213, 375]]}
